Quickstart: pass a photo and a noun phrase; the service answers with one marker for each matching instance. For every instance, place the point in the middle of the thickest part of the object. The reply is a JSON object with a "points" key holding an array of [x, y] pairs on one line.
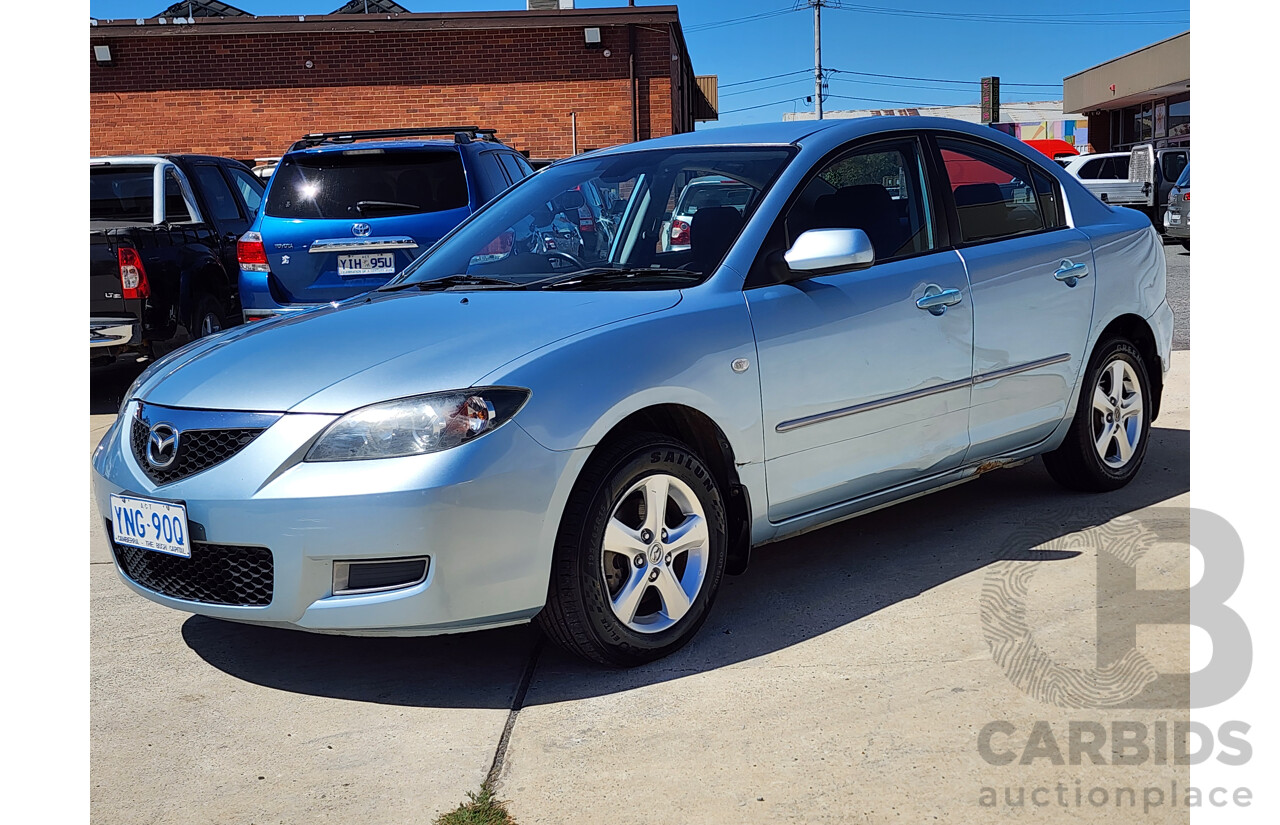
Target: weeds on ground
{"points": [[481, 809]]}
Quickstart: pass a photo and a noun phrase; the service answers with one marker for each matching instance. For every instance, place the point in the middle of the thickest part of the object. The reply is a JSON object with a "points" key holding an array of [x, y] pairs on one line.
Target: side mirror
{"points": [[820, 249]]}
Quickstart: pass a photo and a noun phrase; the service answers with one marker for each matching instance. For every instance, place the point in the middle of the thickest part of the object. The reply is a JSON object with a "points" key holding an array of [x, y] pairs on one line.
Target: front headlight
{"points": [[414, 426]]}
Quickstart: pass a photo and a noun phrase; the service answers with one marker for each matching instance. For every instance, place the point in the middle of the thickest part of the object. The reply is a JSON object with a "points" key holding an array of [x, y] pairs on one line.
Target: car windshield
{"points": [[367, 183], [1184, 180], [545, 228]]}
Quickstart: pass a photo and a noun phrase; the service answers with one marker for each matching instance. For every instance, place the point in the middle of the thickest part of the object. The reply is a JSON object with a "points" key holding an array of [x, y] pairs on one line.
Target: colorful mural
{"points": [[1075, 132]]}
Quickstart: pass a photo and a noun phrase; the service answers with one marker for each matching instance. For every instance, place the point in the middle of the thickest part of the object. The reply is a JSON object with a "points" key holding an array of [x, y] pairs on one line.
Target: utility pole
{"points": [[817, 56]]}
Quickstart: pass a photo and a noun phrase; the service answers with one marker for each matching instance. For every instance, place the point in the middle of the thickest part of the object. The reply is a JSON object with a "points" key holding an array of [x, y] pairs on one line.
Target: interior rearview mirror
{"points": [[821, 249]]}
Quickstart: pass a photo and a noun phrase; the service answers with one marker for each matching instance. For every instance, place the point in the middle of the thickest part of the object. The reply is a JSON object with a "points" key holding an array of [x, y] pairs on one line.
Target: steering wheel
{"points": [[558, 255]]}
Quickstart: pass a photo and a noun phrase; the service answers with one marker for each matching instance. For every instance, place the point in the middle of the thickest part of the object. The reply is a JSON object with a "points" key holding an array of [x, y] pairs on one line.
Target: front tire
{"points": [[640, 553], [1107, 441]]}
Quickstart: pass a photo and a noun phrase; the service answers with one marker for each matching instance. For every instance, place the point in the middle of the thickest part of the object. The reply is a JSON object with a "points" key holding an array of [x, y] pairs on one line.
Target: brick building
{"points": [[247, 87]]}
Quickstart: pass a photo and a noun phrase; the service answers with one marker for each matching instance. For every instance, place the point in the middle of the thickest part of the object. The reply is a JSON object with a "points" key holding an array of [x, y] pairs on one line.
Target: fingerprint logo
{"points": [[1118, 544]]}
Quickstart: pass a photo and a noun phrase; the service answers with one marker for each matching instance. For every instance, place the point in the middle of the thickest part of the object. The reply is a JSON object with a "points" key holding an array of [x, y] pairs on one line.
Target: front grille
{"points": [[197, 450], [215, 573]]}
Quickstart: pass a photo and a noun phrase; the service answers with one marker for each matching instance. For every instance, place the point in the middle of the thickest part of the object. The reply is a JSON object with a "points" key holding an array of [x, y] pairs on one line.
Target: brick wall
{"points": [[251, 95]]}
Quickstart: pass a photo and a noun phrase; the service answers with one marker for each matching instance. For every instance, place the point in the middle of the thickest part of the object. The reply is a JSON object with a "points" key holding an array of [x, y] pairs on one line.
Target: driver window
{"points": [[878, 190]]}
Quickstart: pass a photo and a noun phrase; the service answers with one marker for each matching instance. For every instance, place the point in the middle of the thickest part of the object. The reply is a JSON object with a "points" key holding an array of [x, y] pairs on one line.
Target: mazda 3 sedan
{"points": [[592, 440]]}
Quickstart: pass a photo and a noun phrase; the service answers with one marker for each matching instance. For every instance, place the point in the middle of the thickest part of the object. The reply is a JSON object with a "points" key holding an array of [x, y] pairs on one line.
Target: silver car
{"points": [[502, 434]]}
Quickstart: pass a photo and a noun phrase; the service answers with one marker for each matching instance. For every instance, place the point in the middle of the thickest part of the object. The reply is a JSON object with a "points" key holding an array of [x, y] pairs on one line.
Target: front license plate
{"points": [[150, 525], [378, 264]]}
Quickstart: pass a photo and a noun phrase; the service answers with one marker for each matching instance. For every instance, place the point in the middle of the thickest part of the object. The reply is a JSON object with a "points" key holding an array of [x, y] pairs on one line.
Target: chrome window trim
{"points": [[818, 418]]}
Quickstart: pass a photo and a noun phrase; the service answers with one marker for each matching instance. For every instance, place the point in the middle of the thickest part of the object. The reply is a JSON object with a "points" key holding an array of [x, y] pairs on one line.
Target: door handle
{"points": [[936, 299], [1070, 273]]}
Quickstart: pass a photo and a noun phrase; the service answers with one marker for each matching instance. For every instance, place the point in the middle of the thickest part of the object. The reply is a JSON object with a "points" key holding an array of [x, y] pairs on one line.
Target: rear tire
{"points": [[631, 583], [1108, 437], [207, 318], [1186, 244]]}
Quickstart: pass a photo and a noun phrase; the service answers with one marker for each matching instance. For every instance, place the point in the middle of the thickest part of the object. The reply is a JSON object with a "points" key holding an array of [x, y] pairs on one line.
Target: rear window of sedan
{"points": [[367, 183], [699, 195]]}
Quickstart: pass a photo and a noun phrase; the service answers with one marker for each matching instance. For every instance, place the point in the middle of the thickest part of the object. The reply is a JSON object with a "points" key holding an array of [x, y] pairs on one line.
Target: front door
{"points": [[862, 389]]}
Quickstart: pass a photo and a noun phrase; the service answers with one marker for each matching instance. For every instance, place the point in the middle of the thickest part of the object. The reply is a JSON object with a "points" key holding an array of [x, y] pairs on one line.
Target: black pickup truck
{"points": [[162, 249]]}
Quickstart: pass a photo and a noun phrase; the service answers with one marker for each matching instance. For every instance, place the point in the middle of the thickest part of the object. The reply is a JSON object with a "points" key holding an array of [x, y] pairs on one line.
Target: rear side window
{"points": [[993, 194], [217, 194], [120, 193], [514, 169], [367, 183], [249, 187], [1116, 168], [175, 206], [1172, 164], [1092, 170]]}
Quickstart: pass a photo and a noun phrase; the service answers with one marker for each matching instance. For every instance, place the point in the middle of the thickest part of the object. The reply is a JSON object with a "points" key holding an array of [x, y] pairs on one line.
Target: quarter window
{"points": [[249, 187], [879, 190], [993, 196]]}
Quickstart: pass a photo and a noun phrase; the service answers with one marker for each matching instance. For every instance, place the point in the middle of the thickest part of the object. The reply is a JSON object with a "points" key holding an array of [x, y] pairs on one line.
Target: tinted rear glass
{"points": [[367, 183], [699, 195], [1184, 180], [120, 193]]}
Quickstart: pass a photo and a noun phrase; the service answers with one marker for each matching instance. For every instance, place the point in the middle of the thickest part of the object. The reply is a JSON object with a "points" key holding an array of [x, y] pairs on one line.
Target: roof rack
{"points": [[461, 134]]}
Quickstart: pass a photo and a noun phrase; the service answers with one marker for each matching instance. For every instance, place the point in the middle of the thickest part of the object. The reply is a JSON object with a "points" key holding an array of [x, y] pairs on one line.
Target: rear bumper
{"points": [[114, 332]]}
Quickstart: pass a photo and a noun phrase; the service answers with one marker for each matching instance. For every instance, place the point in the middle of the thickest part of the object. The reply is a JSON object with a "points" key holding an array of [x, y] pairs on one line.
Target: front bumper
{"points": [[485, 513]]}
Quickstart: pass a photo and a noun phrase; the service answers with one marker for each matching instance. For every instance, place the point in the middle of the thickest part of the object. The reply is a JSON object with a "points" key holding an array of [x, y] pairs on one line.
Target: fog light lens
{"points": [[378, 575]]}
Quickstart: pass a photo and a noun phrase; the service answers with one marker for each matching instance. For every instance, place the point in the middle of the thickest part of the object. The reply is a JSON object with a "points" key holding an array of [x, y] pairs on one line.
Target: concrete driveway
{"points": [[845, 678]]}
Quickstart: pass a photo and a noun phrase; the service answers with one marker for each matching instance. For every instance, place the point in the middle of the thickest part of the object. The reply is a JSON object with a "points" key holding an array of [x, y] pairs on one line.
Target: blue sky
{"points": [[969, 41]]}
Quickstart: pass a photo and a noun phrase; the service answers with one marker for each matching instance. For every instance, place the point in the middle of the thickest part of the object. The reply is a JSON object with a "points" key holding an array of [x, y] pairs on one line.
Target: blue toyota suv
{"points": [[345, 211]]}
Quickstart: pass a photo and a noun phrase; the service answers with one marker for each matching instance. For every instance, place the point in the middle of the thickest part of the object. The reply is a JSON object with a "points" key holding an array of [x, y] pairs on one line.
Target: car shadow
{"points": [[793, 591]]}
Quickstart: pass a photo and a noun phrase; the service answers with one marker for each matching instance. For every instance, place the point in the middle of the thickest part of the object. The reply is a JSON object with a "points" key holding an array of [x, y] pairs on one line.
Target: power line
{"points": [[770, 77], [719, 24], [944, 80], [1061, 19], [770, 86], [762, 105]]}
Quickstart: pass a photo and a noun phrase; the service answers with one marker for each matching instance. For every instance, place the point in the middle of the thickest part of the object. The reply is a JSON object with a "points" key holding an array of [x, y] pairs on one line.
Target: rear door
{"points": [[224, 211], [1032, 286], [338, 223]]}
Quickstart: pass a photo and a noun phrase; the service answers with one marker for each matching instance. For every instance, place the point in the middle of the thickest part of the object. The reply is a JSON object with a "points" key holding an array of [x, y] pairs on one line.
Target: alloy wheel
{"points": [[1117, 414], [655, 553]]}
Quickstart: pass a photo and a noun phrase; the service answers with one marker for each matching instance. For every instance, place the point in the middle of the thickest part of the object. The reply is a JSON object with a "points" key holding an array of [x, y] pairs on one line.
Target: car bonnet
{"points": [[335, 359]]}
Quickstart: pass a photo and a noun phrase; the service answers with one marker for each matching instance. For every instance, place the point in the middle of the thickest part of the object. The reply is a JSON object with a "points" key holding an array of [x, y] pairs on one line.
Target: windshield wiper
{"points": [[361, 206], [451, 281], [625, 274]]}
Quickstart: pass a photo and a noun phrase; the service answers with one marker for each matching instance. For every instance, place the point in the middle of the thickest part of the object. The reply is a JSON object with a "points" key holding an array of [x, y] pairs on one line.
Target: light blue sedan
{"points": [[506, 433]]}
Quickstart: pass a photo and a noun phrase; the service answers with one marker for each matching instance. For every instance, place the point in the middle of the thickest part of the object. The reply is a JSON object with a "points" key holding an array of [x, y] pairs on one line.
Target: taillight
{"points": [[679, 233], [496, 249], [133, 277], [1186, 196], [251, 253]]}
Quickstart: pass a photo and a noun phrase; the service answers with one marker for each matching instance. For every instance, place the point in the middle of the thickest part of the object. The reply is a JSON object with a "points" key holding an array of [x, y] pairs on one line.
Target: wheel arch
{"points": [[1137, 331], [701, 432]]}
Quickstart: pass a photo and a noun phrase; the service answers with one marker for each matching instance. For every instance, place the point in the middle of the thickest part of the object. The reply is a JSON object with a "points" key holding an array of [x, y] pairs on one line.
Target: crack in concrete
{"points": [[517, 703]]}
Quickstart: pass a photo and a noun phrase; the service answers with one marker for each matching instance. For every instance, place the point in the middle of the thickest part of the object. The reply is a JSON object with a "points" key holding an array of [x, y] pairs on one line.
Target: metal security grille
{"points": [[215, 573], [197, 450]]}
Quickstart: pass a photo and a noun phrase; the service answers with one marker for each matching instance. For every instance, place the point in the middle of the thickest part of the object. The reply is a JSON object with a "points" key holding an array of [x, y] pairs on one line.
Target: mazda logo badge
{"points": [[360, 230], [162, 446]]}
